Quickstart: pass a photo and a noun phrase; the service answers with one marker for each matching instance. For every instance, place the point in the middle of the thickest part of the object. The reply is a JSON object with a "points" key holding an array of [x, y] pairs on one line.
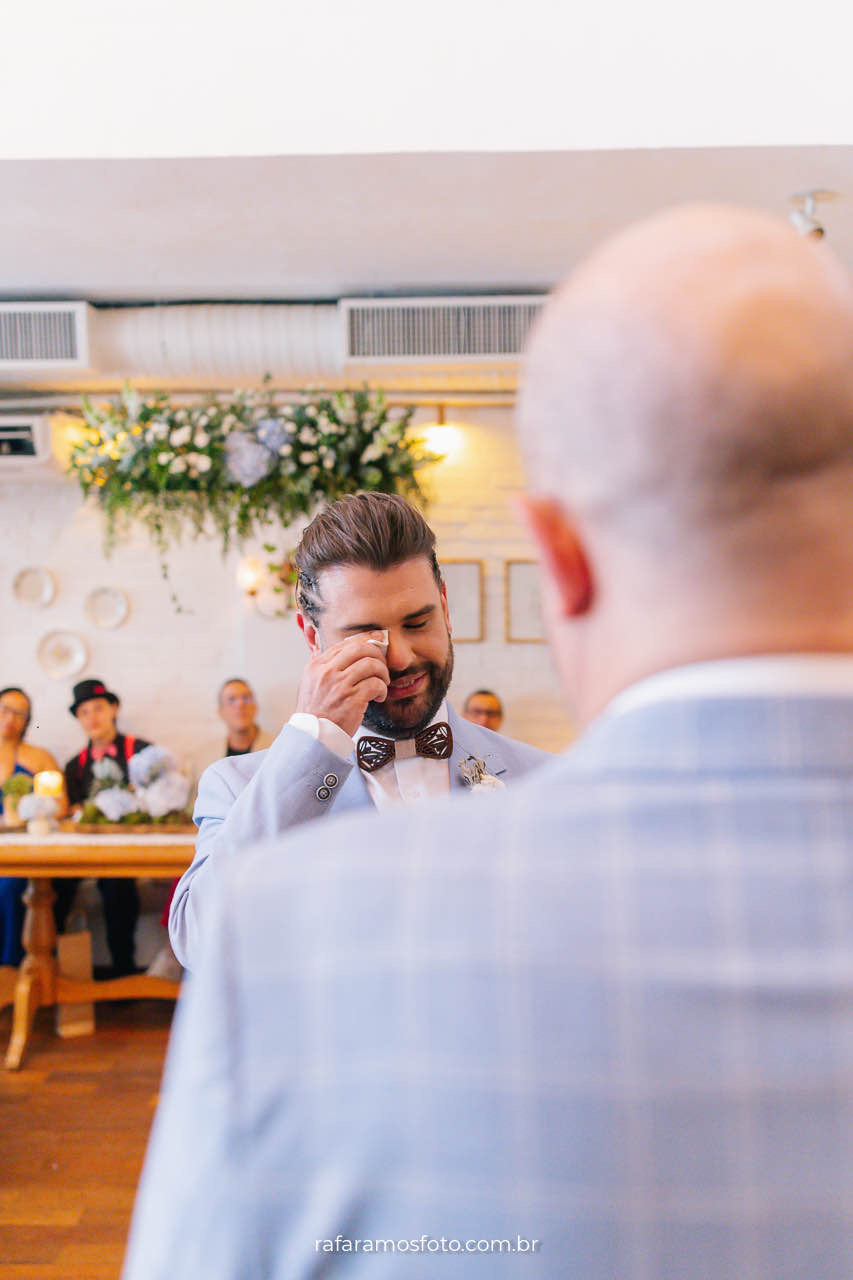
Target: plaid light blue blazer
{"points": [[609, 1010]]}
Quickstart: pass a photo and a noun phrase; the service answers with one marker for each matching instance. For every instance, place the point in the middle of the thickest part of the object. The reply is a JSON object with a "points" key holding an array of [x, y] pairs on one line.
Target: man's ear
{"points": [[563, 556], [445, 609], [306, 626]]}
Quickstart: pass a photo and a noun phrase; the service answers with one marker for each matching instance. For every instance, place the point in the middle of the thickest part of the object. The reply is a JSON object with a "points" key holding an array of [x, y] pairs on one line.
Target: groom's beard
{"points": [[405, 717]]}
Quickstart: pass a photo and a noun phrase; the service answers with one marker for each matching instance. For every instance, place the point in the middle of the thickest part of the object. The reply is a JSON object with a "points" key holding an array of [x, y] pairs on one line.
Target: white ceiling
{"points": [[297, 227]]}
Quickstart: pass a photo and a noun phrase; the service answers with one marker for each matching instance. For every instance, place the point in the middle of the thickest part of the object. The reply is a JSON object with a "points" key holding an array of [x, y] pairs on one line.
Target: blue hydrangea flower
{"points": [[246, 461], [272, 433], [148, 764]]}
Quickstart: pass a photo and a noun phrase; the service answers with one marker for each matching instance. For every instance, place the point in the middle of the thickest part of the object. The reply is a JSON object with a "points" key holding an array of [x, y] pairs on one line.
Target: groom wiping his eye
{"points": [[372, 726]]}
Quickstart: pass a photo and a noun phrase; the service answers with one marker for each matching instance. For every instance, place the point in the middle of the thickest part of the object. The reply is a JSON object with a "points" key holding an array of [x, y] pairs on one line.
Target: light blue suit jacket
{"points": [[243, 799], [609, 1009]]}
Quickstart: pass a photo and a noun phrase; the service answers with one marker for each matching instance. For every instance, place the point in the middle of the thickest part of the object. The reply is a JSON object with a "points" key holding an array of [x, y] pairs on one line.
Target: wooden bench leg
{"points": [[28, 998], [8, 982], [36, 985]]}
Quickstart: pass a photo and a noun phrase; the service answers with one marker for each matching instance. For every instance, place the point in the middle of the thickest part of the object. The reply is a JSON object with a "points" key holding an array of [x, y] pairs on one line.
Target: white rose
{"points": [[489, 782], [177, 466], [200, 461], [307, 455], [372, 453], [308, 435], [286, 450], [201, 439], [182, 436], [164, 458], [159, 429], [132, 402]]}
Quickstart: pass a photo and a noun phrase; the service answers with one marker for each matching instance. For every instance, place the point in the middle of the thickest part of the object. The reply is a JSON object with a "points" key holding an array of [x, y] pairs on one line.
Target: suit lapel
{"points": [[470, 740]]}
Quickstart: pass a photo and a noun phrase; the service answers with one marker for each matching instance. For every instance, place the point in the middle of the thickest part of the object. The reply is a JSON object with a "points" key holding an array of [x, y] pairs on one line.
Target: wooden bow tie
{"points": [[435, 742]]}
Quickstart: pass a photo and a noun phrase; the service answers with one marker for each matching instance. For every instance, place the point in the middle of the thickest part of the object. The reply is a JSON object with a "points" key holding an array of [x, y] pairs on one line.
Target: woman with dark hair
{"points": [[17, 756]]}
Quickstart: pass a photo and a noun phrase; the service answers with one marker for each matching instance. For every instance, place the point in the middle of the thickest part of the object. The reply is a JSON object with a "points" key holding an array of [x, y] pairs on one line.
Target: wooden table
{"points": [[38, 981]]}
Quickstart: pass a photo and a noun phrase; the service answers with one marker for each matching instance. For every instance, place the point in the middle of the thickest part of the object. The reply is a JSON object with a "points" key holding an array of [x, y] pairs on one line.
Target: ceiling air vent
{"points": [[44, 335], [24, 442], [430, 329]]}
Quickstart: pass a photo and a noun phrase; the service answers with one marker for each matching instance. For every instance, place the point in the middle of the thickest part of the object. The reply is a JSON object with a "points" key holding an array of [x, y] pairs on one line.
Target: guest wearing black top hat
{"points": [[96, 708]]}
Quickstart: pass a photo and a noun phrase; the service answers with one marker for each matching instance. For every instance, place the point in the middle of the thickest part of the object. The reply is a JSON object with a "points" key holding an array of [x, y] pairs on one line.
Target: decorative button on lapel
{"points": [[323, 793], [330, 780]]}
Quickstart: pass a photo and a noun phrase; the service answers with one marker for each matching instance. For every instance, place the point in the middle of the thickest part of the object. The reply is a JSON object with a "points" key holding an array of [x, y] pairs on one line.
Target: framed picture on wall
{"points": [[524, 623], [464, 580]]}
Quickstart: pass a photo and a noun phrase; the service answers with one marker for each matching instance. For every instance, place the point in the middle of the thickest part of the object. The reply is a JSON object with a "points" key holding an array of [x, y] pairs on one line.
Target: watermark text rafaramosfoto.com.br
{"points": [[426, 1244]]}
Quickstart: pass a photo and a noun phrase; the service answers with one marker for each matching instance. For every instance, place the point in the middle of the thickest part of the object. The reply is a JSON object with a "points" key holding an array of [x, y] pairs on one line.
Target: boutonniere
{"points": [[476, 775]]}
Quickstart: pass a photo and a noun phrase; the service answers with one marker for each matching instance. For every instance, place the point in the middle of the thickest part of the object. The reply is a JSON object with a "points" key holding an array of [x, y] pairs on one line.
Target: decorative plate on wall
{"points": [[34, 586], [62, 654], [107, 607]]}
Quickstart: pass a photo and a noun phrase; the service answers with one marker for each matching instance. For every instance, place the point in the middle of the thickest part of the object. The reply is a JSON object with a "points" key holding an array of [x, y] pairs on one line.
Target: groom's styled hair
{"points": [[377, 530]]}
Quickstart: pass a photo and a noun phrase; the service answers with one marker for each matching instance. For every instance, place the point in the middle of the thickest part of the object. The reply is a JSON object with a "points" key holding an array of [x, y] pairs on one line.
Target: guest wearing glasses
{"points": [[17, 756], [238, 710], [484, 707]]}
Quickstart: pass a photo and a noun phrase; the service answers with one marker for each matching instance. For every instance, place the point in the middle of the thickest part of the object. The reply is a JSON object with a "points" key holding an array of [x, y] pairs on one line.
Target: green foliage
{"points": [[17, 784], [91, 814], [234, 464]]}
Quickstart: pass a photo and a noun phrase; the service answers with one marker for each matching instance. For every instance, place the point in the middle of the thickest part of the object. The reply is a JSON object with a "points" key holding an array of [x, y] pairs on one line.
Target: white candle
{"points": [[48, 783]]}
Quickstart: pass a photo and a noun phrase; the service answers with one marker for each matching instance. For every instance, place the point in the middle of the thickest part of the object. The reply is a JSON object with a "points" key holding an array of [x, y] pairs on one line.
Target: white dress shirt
{"points": [[406, 778]]}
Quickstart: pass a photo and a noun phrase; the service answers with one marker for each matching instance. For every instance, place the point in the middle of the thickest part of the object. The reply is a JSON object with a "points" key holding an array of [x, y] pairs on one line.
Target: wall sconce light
{"points": [[269, 586], [251, 575], [66, 431], [443, 438], [802, 215]]}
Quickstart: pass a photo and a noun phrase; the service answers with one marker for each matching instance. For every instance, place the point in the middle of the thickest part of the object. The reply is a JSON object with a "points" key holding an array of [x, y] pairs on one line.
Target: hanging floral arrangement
{"points": [[233, 464]]}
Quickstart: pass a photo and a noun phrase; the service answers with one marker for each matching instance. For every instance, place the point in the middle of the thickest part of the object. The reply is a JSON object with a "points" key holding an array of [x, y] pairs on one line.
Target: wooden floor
{"points": [[74, 1123]]}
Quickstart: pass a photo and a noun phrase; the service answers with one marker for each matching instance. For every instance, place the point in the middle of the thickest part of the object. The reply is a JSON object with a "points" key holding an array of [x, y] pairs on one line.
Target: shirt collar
{"points": [[815, 674], [362, 731]]}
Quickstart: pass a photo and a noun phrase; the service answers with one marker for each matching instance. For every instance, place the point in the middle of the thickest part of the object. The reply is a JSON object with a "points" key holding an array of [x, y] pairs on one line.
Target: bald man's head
{"points": [[690, 371], [687, 420]]}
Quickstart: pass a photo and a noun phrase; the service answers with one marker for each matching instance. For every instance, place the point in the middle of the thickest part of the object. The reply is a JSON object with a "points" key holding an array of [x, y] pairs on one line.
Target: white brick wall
{"points": [[168, 666]]}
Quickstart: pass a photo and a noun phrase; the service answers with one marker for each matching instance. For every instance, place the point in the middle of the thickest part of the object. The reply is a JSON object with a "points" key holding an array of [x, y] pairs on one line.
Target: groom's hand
{"points": [[339, 681]]}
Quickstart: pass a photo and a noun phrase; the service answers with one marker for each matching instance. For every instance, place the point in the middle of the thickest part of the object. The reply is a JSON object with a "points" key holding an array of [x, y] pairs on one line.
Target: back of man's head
{"points": [[375, 530], [688, 403]]}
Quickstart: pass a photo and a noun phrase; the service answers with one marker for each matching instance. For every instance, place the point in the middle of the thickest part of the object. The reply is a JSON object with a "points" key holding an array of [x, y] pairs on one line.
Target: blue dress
{"points": [[12, 909]]}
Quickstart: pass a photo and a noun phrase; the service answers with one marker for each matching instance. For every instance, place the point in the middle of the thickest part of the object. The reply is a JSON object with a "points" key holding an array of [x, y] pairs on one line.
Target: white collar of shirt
{"points": [[408, 777], [815, 674]]}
